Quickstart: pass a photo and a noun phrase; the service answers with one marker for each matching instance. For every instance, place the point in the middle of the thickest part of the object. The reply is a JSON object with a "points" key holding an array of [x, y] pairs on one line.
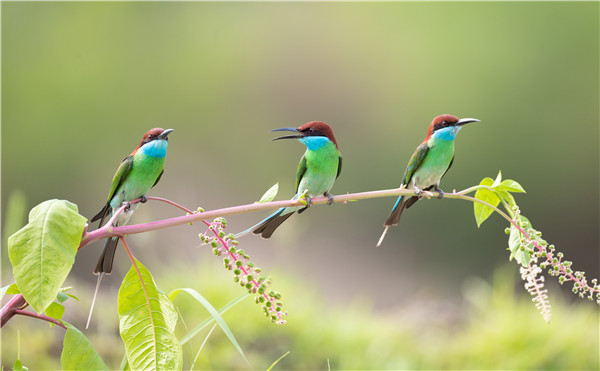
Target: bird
{"points": [[317, 171], [138, 172], [428, 164]]}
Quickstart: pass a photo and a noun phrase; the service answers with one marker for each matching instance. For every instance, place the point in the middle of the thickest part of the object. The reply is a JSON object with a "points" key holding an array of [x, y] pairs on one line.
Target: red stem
{"points": [[549, 255], [243, 269], [10, 309], [223, 243], [40, 316], [15, 305]]}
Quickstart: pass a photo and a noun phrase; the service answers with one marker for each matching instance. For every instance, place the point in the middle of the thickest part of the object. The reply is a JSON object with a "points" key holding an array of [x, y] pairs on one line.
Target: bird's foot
{"points": [[143, 199], [441, 193], [418, 192], [127, 205], [423, 193], [308, 200], [330, 197]]}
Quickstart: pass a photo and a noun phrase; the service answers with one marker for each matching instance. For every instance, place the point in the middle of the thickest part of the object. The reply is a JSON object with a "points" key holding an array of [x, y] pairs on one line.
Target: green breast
{"points": [[141, 178], [321, 170], [435, 164]]}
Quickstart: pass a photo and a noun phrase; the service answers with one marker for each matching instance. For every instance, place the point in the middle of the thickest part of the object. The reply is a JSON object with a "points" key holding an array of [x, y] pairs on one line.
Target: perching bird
{"points": [[138, 172], [428, 164], [319, 167]]}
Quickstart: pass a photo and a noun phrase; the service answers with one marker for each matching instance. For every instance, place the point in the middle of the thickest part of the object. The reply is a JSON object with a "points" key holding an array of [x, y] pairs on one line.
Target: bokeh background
{"points": [[83, 81]]}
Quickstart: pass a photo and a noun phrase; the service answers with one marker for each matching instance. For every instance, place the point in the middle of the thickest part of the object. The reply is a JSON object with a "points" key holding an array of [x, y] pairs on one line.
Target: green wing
{"points": [[415, 162], [120, 176], [449, 166], [301, 171], [157, 179], [339, 167]]}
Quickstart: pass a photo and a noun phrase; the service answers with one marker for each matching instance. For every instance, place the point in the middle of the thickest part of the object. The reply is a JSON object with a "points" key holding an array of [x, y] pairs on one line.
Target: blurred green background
{"points": [[82, 82]]}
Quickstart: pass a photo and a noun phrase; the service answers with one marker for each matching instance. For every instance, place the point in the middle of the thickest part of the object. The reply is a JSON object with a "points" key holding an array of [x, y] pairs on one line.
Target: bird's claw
{"points": [[143, 199], [330, 197], [127, 205], [419, 193], [422, 193], [441, 193], [308, 200]]}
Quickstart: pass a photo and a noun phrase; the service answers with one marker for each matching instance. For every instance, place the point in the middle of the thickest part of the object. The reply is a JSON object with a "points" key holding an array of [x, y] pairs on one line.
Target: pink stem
{"points": [[10, 309], [109, 231], [171, 203], [549, 255], [243, 269], [223, 242], [40, 316]]}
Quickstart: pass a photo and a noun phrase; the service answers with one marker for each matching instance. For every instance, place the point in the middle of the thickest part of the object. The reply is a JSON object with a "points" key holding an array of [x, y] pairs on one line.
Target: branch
{"points": [[16, 305], [40, 316], [110, 231], [10, 309]]}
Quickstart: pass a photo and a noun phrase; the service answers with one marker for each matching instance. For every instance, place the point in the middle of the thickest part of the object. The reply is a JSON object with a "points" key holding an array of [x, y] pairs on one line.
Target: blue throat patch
{"points": [[155, 148], [447, 133], [314, 143]]}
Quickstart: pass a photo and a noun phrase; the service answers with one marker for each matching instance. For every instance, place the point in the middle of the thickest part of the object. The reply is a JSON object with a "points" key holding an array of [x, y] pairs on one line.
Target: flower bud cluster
{"points": [[557, 267], [245, 273]]}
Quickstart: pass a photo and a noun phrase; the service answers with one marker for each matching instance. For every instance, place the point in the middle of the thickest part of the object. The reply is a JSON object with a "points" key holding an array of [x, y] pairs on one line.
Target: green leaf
{"points": [[147, 323], [43, 252], [270, 194], [210, 320], [213, 312], [498, 180], [512, 186], [78, 353], [18, 366], [11, 289], [515, 242], [63, 296], [505, 196], [482, 212], [55, 310]]}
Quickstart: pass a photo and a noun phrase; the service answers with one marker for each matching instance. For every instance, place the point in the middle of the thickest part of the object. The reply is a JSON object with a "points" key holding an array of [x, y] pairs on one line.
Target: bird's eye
{"points": [[150, 136], [445, 124]]}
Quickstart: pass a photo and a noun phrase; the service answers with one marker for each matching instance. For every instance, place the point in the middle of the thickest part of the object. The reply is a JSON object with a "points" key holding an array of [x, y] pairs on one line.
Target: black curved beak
{"points": [[296, 136], [462, 122], [164, 134]]}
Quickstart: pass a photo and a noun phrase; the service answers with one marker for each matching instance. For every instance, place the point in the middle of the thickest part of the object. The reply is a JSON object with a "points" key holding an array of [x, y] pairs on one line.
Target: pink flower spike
{"points": [[245, 272]]}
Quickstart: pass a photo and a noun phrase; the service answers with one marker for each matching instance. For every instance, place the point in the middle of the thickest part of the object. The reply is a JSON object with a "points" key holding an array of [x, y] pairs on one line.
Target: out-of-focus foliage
{"points": [[488, 327]]}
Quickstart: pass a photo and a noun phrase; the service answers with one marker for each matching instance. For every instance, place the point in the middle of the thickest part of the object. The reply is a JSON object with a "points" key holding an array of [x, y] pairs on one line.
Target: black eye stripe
{"points": [[443, 124]]}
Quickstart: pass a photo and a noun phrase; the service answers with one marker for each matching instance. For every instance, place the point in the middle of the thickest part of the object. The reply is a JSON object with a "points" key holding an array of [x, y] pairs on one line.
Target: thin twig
{"points": [[40, 316]]}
